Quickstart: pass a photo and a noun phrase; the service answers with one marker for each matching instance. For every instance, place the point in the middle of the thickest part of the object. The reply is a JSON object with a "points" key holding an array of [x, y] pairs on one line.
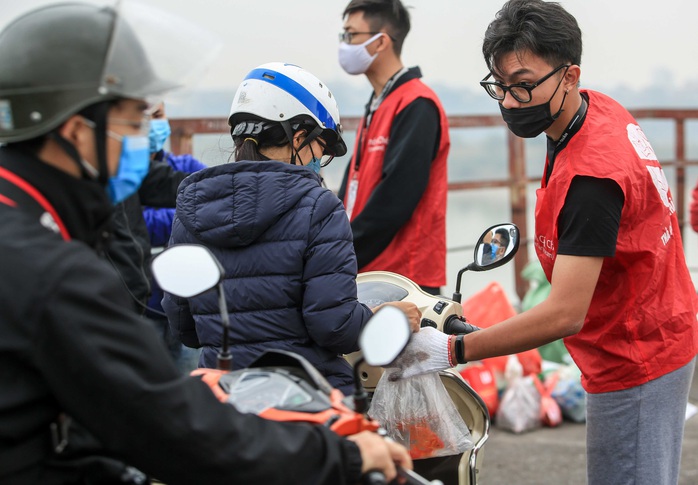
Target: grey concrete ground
{"points": [[556, 456]]}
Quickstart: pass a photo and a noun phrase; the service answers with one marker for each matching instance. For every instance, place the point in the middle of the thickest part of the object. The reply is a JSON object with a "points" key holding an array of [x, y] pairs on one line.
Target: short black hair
{"points": [[544, 29], [505, 236], [388, 14]]}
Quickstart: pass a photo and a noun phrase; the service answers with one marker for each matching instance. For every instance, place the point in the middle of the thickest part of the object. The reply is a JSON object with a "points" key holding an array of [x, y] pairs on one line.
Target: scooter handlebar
{"points": [[455, 325], [375, 477]]}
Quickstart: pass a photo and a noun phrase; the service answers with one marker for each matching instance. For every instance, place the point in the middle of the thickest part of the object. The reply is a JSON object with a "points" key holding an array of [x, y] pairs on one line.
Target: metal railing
{"points": [[184, 129]]}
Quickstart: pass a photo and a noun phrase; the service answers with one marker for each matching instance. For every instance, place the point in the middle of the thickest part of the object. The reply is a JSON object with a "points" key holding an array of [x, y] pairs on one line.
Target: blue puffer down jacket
{"points": [[286, 245]]}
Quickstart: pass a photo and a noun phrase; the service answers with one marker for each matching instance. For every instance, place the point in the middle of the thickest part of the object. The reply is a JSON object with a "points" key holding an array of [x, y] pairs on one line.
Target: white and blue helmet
{"points": [[288, 94]]}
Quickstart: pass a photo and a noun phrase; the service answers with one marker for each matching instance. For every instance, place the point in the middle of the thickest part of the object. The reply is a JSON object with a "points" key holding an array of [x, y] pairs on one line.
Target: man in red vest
{"points": [[609, 242], [608, 239], [395, 187]]}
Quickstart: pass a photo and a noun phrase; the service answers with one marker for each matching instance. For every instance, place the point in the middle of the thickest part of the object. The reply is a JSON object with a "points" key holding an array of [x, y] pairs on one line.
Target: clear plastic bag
{"points": [[519, 409], [418, 413]]}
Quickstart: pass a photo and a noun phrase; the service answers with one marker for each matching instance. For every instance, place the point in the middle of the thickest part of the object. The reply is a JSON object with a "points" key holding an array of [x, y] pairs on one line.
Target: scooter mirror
{"points": [[385, 335], [186, 270], [496, 246]]}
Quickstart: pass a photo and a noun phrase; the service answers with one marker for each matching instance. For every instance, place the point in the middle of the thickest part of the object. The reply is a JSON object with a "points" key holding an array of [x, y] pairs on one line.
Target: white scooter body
{"points": [[435, 309], [377, 287]]}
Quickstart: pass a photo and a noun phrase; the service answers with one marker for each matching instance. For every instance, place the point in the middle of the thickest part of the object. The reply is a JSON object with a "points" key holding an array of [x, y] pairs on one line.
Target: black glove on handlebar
{"points": [[455, 325]]}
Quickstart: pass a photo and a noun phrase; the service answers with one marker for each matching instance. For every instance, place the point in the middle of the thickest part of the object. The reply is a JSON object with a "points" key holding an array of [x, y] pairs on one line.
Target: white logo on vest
{"points": [[640, 143], [662, 185]]}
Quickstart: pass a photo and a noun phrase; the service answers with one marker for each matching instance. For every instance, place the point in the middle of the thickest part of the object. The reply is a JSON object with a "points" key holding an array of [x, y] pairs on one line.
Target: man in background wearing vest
{"points": [[394, 189]]}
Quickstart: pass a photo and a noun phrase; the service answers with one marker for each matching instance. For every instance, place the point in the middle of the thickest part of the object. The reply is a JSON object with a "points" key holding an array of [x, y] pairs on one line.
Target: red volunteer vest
{"points": [[641, 322], [418, 250]]}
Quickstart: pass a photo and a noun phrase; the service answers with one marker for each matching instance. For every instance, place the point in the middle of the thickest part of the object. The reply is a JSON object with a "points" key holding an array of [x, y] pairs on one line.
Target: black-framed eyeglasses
{"points": [[347, 37], [327, 153], [521, 92]]}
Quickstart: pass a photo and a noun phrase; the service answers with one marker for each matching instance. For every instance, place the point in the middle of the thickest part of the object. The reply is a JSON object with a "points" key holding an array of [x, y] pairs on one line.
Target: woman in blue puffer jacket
{"points": [[285, 241]]}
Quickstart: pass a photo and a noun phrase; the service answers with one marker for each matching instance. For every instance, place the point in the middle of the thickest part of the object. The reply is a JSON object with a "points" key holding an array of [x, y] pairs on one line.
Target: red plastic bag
{"points": [[550, 413], [490, 306], [481, 378]]}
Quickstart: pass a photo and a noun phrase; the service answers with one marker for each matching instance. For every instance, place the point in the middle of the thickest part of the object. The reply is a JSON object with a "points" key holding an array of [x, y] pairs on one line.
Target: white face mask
{"points": [[354, 58]]}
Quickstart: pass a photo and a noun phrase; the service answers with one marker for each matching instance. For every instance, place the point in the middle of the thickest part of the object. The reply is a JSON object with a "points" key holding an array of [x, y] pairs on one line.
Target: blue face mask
{"points": [[493, 248], [133, 167], [159, 133], [314, 165]]}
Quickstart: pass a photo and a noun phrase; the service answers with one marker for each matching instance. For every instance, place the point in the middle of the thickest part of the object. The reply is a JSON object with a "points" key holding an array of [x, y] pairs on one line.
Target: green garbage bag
{"points": [[538, 291]]}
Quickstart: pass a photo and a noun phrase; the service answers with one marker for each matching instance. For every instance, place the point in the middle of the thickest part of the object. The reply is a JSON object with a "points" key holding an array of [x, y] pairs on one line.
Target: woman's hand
{"points": [[414, 316]]}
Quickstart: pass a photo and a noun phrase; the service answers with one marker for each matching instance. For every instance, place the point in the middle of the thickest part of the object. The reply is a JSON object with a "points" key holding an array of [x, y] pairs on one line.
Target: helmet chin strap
{"points": [[289, 134], [72, 152], [101, 111], [101, 174]]}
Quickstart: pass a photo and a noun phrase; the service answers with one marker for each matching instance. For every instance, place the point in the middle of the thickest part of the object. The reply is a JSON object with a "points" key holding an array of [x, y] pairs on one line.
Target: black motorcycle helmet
{"points": [[60, 59]]}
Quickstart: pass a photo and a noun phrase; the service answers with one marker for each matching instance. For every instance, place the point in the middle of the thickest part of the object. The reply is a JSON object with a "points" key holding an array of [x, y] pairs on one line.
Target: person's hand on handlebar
{"points": [[378, 453], [414, 316]]}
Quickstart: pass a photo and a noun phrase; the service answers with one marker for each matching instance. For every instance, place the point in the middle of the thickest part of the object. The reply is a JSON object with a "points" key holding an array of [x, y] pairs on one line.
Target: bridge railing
{"points": [[515, 180]]}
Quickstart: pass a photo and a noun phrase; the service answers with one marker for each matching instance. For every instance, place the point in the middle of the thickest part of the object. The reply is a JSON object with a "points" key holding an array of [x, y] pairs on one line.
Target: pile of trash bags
{"points": [[540, 387]]}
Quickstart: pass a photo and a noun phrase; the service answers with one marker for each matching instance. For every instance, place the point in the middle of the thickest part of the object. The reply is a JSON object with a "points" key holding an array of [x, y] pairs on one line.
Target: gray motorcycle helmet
{"points": [[62, 58]]}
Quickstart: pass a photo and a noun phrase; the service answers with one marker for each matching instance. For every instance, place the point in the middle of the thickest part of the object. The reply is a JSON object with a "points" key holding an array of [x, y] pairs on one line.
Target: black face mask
{"points": [[531, 121]]}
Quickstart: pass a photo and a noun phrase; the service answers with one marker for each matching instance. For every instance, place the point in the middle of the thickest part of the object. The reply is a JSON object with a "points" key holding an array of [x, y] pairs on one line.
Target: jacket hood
{"points": [[231, 205]]}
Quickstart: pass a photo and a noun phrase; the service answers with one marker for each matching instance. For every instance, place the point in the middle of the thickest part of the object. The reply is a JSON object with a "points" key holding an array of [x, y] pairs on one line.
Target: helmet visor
{"points": [[153, 51]]}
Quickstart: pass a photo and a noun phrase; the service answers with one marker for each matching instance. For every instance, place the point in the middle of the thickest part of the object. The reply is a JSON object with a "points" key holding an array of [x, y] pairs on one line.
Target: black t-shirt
{"points": [[589, 221], [590, 218]]}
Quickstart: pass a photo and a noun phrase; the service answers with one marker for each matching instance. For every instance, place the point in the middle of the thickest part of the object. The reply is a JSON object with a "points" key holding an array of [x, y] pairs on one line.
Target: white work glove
{"points": [[427, 352]]}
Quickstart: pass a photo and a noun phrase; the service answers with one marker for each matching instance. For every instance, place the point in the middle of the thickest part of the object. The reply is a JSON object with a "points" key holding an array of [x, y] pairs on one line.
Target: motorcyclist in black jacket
{"points": [[71, 121]]}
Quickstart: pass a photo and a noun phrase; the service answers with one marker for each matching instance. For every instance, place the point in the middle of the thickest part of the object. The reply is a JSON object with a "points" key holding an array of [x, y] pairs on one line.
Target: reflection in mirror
{"points": [[385, 335], [186, 270], [496, 244]]}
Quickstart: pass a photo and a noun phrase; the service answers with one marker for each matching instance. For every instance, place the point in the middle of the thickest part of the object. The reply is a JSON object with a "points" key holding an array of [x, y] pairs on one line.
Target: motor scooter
{"points": [[444, 314], [282, 385]]}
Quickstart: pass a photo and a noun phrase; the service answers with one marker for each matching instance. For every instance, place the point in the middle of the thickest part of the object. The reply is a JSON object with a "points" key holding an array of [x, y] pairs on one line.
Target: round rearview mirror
{"points": [[496, 246], [385, 335], [186, 270]]}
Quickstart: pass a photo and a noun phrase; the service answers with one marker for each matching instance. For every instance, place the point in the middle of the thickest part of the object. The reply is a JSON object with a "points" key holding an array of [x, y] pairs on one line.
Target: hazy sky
{"points": [[626, 42], [630, 42]]}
